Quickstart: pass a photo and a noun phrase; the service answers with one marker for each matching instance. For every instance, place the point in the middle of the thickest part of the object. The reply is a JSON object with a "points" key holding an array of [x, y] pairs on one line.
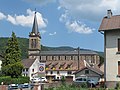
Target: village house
{"points": [[58, 63], [110, 28], [90, 73]]}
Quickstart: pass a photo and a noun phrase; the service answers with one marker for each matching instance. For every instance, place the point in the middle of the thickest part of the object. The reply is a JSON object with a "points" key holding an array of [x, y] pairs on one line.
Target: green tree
{"points": [[12, 60]]}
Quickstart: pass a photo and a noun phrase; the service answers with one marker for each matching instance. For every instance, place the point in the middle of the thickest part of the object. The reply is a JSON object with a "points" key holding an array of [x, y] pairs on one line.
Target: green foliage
{"points": [[12, 52], [66, 87], [63, 80], [13, 70], [8, 80], [118, 86], [11, 65], [23, 44], [84, 85]]}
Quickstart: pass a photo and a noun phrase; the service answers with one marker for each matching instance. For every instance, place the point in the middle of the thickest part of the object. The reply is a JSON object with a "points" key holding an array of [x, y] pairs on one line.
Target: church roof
{"points": [[35, 25], [35, 31], [67, 52]]}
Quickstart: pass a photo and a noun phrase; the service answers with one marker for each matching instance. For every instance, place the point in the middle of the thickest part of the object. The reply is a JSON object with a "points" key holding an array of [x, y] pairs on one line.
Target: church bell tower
{"points": [[34, 40]]}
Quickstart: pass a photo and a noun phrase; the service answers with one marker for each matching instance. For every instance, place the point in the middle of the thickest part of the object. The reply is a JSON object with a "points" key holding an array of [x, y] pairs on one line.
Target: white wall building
{"points": [[110, 26]]}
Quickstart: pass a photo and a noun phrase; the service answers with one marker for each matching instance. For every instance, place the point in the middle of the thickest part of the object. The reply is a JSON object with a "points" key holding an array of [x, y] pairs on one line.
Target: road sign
{"points": [[42, 68]]}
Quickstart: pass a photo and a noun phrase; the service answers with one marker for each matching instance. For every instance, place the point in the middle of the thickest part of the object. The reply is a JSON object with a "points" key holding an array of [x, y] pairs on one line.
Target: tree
{"points": [[11, 64]]}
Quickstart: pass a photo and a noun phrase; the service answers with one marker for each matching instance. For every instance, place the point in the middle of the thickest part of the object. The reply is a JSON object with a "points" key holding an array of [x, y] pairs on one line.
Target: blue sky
{"points": [[72, 23]]}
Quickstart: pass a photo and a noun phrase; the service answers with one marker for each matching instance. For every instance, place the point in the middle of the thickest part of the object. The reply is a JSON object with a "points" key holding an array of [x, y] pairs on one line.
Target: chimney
{"points": [[109, 13]]}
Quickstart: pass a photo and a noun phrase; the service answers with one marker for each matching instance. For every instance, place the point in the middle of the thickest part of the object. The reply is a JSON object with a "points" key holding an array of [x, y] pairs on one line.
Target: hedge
{"points": [[8, 80]]}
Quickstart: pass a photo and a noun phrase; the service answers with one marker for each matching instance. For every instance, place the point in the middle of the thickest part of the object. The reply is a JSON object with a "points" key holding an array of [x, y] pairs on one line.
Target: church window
{"points": [[34, 43], [31, 43]]}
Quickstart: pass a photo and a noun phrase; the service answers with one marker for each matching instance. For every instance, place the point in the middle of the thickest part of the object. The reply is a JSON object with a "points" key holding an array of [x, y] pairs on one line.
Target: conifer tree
{"points": [[12, 60]]}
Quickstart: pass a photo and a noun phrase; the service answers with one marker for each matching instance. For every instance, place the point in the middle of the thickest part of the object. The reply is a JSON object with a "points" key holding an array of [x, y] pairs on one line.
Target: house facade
{"points": [[110, 27], [31, 66], [90, 73]]}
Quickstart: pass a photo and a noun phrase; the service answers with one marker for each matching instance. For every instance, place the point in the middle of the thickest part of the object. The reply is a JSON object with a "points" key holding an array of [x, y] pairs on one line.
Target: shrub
{"points": [[84, 85], [118, 86], [8, 80]]}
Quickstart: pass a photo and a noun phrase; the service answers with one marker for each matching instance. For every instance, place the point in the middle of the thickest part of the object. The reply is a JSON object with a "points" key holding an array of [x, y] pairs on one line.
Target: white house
{"points": [[31, 66], [110, 27]]}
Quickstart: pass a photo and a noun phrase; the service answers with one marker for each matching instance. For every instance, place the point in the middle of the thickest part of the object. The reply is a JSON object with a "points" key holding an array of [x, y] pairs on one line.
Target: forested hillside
{"points": [[24, 44]]}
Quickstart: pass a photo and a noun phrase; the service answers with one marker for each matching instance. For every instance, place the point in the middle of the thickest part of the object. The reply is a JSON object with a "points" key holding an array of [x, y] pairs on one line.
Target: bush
{"points": [[118, 86], [84, 85], [8, 80]]}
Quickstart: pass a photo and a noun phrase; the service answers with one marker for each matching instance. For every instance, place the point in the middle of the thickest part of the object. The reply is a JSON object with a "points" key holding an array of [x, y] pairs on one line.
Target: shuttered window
{"points": [[119, 44], [119, 68]]}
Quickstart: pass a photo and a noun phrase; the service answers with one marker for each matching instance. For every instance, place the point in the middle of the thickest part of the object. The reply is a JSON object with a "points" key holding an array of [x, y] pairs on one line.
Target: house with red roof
{"points": [[110, 28]]}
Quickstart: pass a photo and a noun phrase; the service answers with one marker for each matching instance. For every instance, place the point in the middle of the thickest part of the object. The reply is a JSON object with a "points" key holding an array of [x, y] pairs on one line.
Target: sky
{"points": [[73, 23]]}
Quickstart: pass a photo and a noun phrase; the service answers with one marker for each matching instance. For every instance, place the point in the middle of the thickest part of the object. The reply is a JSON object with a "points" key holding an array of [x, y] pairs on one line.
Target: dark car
{"points": [[25, 85]]}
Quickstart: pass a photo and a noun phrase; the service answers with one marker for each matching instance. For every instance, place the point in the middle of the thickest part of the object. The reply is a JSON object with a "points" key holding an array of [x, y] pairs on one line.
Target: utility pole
{"points": [[78, 58]]}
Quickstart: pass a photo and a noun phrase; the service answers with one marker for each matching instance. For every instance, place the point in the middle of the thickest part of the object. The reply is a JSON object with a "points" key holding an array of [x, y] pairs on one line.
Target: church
{"points": [[57, 63]]}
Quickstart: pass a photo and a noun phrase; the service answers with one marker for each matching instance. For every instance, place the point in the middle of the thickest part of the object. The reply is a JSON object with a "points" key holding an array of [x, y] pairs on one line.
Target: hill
{"points": [[24, 44]]}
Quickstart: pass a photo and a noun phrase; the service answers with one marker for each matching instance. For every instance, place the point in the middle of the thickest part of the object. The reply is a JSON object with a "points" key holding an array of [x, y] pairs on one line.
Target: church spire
{"points": [[35, 25], [35, 31]]}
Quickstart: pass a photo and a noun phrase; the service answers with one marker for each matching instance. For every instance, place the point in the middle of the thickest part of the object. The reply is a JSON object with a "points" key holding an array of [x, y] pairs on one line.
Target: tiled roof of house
{"points": [[94, 69], [63, 65], [110, 23], [27, 62]]}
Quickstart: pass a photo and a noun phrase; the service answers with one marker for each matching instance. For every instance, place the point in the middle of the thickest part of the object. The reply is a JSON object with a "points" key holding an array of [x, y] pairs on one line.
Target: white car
{"points": [[43, 79], [93, 82], [80, 80], [35, 80]]}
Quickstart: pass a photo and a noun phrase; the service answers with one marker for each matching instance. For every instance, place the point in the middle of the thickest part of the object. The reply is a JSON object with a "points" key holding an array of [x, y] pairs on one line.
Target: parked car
{"points": [[25, 85], [80, 80], [43, 79], [35, 80], [13, 86], [92, 82]]}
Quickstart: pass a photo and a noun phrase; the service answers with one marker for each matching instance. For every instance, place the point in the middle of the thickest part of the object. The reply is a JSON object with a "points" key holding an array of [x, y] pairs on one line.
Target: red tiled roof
{"points": [[73, 65], [110, 23]]}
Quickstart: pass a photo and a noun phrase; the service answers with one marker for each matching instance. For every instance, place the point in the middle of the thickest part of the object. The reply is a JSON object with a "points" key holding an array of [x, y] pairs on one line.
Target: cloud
{"points": [[42, 31], [27, 21], [75, 25], [86, 9], [51, 34], [76, 11], [40, 2], [78, 27], [2, 16]]}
